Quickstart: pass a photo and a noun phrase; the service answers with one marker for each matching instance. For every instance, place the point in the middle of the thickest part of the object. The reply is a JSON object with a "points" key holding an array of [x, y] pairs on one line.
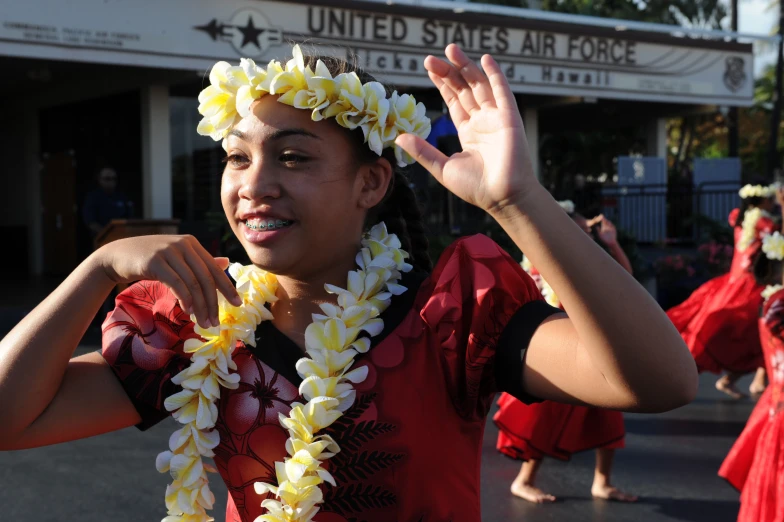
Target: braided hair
{"points": [[399, 209]]}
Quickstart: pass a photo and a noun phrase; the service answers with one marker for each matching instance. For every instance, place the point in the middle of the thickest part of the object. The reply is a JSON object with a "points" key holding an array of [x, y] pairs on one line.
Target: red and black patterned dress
{"points": [[412, 442], [719, 320], [554, 429], [755, 464]]}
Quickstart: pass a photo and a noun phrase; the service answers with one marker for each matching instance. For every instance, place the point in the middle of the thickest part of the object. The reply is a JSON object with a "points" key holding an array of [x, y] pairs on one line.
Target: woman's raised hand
{"points": [[179, 262], [494, 168]]}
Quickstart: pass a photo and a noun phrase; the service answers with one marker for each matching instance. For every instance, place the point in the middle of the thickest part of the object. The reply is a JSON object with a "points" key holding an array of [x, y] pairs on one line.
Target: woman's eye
{"points": [[236, 160], [291, 158]]}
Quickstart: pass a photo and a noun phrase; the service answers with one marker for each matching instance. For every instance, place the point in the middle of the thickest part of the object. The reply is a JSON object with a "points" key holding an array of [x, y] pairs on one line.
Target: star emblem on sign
{"points": [[248, 31], [250, 34]]}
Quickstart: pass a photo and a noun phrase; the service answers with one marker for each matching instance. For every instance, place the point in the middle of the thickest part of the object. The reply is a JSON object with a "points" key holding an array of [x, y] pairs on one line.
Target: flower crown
{"points": [[773, 246], [757, 191], [345, 98]]}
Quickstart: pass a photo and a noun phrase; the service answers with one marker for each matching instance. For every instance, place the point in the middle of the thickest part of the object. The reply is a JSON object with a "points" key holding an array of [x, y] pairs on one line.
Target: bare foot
{"points": [[531, 493], [726, 386], [759, 383], [612, 493]]}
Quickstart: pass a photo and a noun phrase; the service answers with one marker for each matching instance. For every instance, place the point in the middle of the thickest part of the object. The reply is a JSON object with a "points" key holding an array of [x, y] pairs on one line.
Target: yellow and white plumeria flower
{"points": [[773, 246], [345, 98], [749, 227], [332, 341]]}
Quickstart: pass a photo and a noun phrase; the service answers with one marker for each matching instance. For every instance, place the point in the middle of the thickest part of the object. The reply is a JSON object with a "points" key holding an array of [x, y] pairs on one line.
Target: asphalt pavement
{"points": [[670, 461]]}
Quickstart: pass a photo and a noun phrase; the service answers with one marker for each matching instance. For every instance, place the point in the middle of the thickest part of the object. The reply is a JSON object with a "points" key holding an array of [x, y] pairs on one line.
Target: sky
{"points": [[754, 19]]}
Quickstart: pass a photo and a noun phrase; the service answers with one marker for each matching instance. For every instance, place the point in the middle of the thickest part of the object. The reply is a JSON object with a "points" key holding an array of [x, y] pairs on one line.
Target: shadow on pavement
{"points": [[683, 427], [692, 510]]}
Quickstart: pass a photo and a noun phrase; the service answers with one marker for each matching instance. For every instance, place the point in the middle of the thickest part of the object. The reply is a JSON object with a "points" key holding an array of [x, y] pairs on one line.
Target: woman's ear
{"points": [[374, 179]]}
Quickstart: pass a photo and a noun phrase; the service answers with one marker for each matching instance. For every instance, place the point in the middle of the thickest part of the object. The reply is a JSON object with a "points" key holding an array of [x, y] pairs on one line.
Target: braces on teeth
{"points": [[268, 225]]}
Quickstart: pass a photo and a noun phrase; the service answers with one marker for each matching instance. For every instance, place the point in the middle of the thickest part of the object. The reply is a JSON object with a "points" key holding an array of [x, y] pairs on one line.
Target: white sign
{"points": [[567, 60]]}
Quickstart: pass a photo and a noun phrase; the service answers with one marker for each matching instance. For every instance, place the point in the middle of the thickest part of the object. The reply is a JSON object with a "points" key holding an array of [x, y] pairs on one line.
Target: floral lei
{"points": [[749, 227], [544, 287], [332, 342], [773, 248]]}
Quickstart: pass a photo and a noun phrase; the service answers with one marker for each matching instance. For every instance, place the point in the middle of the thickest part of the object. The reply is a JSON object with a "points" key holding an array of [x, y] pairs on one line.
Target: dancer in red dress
{"points": [[532, 431], [332, 380], [719, 320], [755, 464]]}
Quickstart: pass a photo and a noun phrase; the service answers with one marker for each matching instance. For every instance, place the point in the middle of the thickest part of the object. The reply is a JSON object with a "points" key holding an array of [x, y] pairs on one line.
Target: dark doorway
{"points": [[98, 133]]}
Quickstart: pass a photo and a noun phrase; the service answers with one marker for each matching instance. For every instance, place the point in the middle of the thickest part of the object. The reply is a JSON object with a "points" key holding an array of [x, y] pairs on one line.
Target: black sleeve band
{"points": [[512, 345]]}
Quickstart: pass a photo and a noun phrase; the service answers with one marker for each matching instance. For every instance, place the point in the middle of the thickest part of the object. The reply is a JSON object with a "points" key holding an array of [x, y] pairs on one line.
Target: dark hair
{"points": [[767, 271], [746, 204], [399, 209]]}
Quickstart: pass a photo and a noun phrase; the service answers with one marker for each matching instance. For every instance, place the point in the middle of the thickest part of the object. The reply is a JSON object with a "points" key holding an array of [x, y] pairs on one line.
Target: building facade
{"points": [[87, 84]]}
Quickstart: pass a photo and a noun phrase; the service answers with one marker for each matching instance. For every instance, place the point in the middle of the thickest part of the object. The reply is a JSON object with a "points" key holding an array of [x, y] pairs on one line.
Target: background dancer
{"points": [[755, 464], [719, 320], [532, 431]]}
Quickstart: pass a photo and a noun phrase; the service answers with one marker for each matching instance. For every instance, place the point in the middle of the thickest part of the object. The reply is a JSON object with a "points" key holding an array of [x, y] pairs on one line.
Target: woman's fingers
{"points": [[452, 77], [502, 92], [450, 98], [199, 302], [472, 75], [222, 281], [424, 153], [169, 277]]}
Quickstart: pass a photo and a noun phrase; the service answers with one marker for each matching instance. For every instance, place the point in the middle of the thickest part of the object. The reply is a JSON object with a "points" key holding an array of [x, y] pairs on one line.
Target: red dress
{"points": [[411, 444], [554, 429], [755, 464], [719, 320]]}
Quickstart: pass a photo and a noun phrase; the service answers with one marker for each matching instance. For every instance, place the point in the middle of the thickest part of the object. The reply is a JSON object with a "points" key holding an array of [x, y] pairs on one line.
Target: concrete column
{"points": [[657, 138], [156, 152], [531, 123], [32, 166]]}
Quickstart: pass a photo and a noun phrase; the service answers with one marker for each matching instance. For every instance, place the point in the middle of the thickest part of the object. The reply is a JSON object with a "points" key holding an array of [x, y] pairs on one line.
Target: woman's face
{"points": [[294, 193]]}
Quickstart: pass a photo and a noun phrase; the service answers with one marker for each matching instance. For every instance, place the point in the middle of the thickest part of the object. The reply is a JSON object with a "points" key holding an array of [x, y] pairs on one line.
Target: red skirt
{"points": [[719, 324], [755, 465], [532, 431]]}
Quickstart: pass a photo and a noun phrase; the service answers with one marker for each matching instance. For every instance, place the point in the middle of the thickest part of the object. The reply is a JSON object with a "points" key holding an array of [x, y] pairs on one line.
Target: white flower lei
{"points": [[332, 341], [749, 227], [353, 104], [757, 191], [544, 287], [770, 290]]}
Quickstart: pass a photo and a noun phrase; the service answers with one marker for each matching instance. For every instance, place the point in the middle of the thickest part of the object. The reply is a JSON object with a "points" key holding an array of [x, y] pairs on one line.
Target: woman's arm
{"points": [[35, 365], [617, 349], [47, 397]]}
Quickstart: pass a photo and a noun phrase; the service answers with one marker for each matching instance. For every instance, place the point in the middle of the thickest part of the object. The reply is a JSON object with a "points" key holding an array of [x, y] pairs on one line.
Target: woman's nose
{"points": [[260, 181]]}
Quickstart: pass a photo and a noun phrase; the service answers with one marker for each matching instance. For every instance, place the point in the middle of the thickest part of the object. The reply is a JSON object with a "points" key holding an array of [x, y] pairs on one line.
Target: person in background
{"points": [[530, 432], [719, 320], [755, 464], [105, 203]]}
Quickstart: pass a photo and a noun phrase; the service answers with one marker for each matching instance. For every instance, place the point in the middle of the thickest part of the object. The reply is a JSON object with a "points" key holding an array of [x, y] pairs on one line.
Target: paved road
{"points": [[670, 460]]}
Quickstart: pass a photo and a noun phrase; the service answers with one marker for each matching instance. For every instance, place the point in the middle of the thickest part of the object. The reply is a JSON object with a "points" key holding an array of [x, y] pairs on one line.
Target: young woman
{"points": [[719, 320], [755, 464], [531, 431], [330, 401]]}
